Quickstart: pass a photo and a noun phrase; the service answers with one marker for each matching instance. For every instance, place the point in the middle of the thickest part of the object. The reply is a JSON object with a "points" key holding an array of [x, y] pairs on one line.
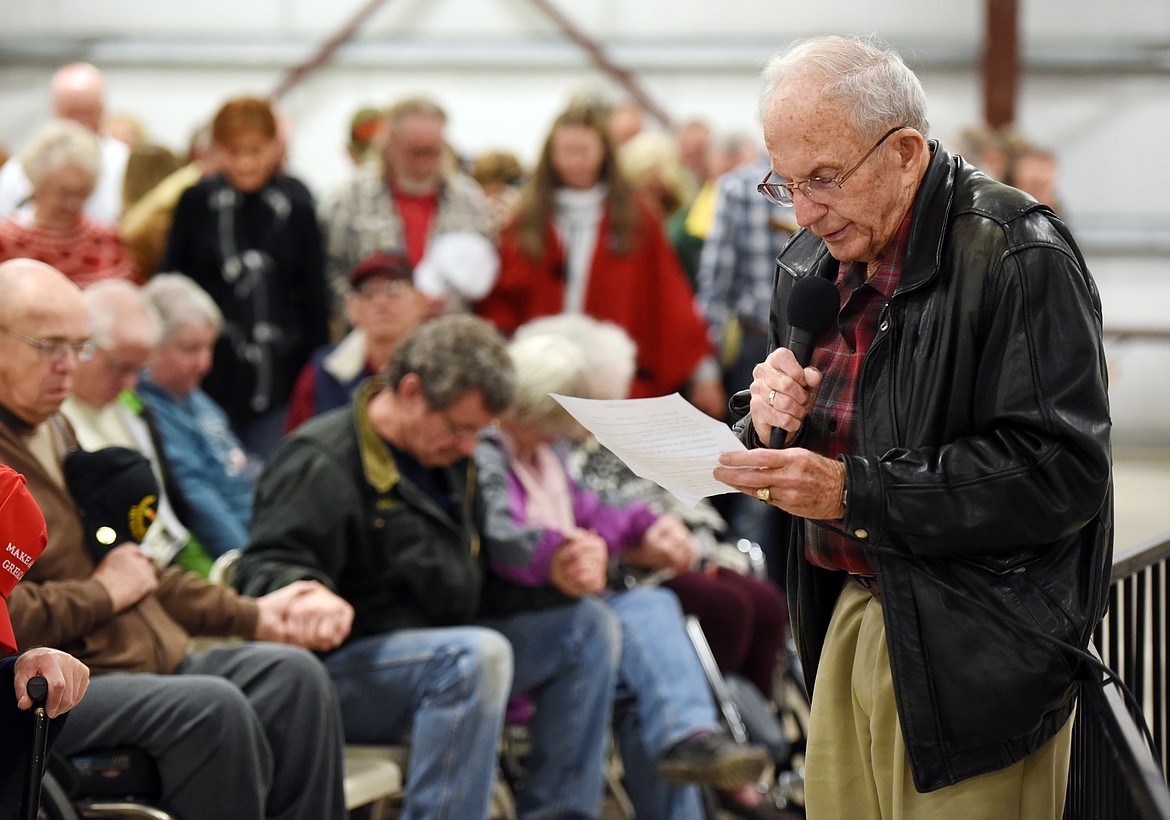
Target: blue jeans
{"points": [[662, 698], [567, 660], [445, 691]]}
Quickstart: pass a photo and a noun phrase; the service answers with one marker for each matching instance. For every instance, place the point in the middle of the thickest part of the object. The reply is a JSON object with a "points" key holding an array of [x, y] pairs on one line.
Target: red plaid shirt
{"points": [[831, 426]]}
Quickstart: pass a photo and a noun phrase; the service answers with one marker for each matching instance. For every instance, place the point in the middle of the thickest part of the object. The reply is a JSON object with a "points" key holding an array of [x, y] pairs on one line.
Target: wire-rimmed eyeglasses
{"points": [[54, 350], [821, 190]]}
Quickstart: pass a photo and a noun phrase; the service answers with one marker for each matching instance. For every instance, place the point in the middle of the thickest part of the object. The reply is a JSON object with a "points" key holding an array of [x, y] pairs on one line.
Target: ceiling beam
{"points": [[599, 58], [345, 33], [1001, 62]]}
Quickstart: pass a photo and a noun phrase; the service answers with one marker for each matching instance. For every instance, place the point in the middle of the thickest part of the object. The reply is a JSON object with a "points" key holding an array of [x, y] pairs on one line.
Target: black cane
{"points": [[38, 690]]}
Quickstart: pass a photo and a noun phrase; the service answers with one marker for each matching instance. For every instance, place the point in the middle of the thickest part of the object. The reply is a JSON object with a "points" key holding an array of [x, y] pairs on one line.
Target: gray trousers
{"points": [[243, 731]]}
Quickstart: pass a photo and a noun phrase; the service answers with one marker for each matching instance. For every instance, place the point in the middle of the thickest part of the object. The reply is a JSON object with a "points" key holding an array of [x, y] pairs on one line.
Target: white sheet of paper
{"points": [[667, 440]]}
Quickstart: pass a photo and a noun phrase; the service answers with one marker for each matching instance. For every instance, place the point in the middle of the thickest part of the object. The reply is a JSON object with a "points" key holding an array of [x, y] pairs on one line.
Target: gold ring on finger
{"points": [[764, 494]]}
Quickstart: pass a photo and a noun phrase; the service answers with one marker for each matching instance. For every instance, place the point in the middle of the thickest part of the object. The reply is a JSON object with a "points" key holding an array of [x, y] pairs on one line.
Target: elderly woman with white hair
{"points": [[204, 453], [542, 530], [62, 161]]}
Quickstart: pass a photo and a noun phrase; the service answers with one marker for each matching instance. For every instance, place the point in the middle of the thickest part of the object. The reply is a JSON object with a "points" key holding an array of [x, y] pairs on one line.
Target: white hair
{"points": [[120, 311], [55, 145], [863, 75], [181, 303], [546, 363], [609, 350]]}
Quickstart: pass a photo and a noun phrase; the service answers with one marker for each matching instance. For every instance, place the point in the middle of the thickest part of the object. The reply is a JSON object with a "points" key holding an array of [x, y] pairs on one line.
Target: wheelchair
{"points": [[781, 726], [104, 783], [123, 784]]}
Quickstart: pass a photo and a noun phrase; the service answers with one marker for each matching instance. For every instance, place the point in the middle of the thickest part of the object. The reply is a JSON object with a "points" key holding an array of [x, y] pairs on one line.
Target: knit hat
{"points": [[116, 493], [22, 531]]}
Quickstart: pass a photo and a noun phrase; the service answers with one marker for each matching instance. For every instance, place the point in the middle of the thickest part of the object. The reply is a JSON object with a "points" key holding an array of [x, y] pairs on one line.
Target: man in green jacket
{"points": [[376, 503]]}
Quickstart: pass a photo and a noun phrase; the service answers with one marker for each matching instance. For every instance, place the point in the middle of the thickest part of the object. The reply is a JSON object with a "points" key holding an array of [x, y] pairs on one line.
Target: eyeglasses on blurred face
{"points": [[55, 350], [383, 287]]}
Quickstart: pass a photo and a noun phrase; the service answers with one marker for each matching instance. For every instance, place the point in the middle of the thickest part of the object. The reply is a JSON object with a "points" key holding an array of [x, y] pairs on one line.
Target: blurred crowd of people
{"points": [[224, 307], [1007, 155]]}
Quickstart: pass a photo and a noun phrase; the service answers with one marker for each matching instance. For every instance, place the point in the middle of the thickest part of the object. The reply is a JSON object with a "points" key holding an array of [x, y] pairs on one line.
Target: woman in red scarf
{"points": [[581, 242]]}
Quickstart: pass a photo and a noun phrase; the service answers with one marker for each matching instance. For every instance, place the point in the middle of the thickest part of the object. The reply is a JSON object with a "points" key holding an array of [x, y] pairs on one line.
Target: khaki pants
{"points": [[856, 765]]}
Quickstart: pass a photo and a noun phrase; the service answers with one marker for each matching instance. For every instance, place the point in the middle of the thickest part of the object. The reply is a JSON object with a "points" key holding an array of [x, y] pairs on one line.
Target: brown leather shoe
{"points": [[714, 759]]}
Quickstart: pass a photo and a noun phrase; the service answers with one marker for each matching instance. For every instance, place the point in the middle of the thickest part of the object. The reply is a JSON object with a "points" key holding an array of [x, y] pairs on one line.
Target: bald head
{"points": [[45, 327], [79, 92], [33, 289]]}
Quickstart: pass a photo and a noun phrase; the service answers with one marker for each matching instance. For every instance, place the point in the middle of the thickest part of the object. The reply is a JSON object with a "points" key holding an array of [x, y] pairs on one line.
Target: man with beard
{"points": [[402, 205]]}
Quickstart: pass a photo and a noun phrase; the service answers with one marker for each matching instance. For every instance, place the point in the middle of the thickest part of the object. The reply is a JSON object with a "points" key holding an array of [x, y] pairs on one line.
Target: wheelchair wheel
{"points": [[55, 804]]}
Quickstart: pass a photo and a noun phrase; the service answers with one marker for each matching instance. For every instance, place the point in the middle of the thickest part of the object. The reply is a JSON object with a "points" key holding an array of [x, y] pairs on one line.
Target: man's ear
{"points": [[909, 144], [410, 388]]}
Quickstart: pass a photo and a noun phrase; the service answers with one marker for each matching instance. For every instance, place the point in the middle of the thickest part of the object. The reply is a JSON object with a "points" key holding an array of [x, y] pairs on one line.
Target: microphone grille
{"points": [[813, 304]]}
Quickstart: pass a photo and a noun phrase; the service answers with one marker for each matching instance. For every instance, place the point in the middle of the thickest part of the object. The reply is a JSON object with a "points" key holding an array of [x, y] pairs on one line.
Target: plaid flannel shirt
{"points": [[738, 262], [831, 427], [361, 217]]}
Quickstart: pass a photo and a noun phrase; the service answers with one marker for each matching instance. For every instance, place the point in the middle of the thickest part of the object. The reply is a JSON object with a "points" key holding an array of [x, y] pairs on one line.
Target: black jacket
{"points": [[332, 506], [259, 256], [983, 485]]}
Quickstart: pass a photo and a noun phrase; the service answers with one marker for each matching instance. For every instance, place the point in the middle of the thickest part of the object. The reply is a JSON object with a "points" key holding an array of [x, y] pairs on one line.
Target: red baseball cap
{"points": [[380, 263], [23, 536]]}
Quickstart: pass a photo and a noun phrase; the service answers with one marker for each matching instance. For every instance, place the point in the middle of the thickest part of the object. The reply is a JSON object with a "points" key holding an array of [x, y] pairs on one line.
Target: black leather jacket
{"points": [[983, 487]]}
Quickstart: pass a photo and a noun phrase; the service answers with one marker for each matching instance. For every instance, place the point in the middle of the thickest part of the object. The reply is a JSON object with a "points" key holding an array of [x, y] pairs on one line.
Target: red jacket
{"points": [[644, 291]]}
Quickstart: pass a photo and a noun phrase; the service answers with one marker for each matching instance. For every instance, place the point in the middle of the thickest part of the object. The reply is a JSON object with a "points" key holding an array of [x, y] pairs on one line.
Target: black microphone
{"points": [[812, 307]]}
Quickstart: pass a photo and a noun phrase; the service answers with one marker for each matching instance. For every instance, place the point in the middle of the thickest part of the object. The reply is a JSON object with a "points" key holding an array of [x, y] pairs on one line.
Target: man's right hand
{"points": [[782, 393], [317, 618], [127, 574], [68, 678]]}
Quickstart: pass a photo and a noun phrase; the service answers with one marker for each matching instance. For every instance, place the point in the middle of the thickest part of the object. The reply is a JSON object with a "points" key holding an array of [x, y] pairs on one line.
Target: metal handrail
{"points": [[1153, 552], [1115, 771]]}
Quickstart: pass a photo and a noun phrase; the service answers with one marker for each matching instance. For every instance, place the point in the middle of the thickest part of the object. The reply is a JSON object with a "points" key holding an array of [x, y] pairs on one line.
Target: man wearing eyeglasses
{"points": [[383, 306], [945, 456], [406, 202], [105, 409], [251, 729], [376, 502]]}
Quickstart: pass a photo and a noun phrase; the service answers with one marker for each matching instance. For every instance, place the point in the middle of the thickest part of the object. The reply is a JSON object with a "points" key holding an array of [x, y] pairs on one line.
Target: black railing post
{"points": [[1116, 771]]}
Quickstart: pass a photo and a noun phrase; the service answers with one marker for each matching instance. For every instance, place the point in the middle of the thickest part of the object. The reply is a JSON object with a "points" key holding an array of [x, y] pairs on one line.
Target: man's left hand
{"points": [[797, 481]]}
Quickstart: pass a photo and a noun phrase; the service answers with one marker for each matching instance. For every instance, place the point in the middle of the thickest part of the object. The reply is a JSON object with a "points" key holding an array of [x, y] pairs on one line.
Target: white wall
{"points": [[503, 71]]}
